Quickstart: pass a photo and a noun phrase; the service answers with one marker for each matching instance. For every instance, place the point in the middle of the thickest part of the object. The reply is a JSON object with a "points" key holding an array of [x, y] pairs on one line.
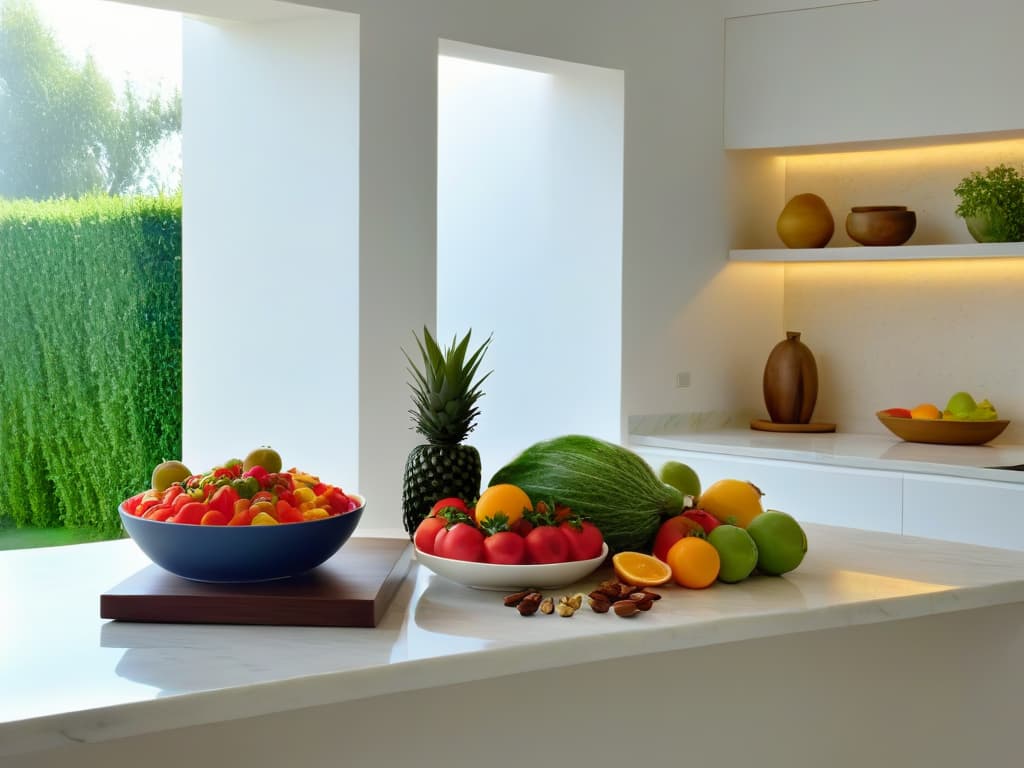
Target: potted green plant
{"points": [[992, 204]]}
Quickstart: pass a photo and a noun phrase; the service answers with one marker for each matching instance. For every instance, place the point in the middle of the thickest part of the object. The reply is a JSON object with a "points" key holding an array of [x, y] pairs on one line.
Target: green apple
{"points": [[781, 542], [680, 476], [961, 405], [737, 552]]}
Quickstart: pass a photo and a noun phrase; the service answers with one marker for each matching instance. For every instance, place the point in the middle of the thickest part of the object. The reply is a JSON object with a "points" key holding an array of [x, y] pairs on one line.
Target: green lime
{"points": [[265, 457], [681, 477], [168, 473], [736, 550], [781, 542]]}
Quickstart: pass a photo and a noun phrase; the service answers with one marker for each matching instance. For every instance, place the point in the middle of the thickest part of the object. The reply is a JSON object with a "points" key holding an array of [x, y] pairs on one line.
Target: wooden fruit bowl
{"points": [[943, 431]]}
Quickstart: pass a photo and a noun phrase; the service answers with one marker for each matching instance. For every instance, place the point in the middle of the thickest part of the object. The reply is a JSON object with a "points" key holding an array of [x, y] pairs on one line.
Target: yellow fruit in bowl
{"points": [[984, 412], [166, 474], [925, 411]]}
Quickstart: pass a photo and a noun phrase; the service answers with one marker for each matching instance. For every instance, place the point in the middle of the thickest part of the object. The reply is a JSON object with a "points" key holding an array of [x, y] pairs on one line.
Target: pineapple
{"points": [[445, 396]]}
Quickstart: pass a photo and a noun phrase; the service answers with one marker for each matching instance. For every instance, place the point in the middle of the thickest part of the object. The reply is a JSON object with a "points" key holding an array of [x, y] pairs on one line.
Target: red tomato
{"points": [[158, 512], [505, 548], [145, 504], [426, 532], [223, 500], [546, 544], [214, 517], [242, 514], [522, 526], [192, 513], [286, 513], [171, 493], [451, 501], [671, 531], [339, 502], [131, 505], [460, 542], [180, 501], [706, 520], [585, 540], [161, 513]]}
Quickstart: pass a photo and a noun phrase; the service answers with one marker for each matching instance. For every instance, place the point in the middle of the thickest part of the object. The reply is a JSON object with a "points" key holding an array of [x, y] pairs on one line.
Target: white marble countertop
{"points": [[862, 451], [67, 676]]}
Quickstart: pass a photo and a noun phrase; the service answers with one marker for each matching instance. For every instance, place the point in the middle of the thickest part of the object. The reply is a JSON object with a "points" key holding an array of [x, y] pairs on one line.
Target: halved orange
{"points": [[640, 570]]}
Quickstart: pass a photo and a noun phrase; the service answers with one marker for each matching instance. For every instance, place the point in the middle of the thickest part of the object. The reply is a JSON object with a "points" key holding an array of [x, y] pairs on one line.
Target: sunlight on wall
{"points": [[529, 240], [271, 244]]}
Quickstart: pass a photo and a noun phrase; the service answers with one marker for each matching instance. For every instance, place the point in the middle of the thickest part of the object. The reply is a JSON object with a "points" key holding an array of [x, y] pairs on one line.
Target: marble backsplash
{"points": [[702, 421]]}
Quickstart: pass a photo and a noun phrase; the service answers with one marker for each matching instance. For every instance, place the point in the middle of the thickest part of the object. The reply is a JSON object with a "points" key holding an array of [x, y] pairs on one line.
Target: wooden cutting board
{"points": [[352, 589]]}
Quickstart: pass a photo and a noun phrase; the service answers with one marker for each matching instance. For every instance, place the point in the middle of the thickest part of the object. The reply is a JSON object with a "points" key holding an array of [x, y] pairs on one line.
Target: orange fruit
{"points": [[502, 499], [735, 502], [694, 562], [925, 411], [640, 570]]}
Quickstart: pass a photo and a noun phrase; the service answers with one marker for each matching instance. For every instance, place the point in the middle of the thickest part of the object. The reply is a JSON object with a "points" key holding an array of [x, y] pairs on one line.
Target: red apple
{"points": [[901, 413], [707, 521]]}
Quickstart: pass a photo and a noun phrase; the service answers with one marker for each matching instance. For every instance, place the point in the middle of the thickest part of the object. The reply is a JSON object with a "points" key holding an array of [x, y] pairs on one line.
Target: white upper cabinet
{"points": [[875, 70]]}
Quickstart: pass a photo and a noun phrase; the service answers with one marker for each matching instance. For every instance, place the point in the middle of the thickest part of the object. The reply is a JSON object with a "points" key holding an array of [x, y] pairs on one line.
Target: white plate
{"points": [[488, 576]]}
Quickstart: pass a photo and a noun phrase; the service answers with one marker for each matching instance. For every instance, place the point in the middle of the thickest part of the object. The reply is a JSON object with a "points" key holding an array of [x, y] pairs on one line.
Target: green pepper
{"points": [[246, 486]]}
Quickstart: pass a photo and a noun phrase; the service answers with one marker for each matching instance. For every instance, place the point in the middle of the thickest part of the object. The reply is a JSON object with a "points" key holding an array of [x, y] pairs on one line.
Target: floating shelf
{"points": [[882, 253]]}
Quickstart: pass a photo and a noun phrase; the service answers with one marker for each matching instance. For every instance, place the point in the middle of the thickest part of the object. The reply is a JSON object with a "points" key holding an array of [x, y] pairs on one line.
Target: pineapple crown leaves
{"points": [[444, 390]]}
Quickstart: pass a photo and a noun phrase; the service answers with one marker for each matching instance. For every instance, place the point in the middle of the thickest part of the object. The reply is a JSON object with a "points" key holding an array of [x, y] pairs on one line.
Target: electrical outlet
{"points": [[682, 379]]}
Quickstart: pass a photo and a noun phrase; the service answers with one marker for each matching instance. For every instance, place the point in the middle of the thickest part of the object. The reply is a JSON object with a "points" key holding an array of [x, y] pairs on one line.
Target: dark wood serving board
{"points": [[352, 589]]}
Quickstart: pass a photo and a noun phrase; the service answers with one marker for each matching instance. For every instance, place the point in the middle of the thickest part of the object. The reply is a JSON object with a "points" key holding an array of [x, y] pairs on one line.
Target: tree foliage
{"points": [[64, 131]]}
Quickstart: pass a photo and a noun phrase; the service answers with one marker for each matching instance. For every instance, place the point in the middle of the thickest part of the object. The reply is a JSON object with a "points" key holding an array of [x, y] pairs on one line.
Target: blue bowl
{"points": [[241, 553]]}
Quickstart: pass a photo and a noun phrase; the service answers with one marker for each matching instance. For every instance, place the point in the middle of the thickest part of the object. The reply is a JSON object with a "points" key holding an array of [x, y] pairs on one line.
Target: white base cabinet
{"points": [[972, 511], [976, 511]]}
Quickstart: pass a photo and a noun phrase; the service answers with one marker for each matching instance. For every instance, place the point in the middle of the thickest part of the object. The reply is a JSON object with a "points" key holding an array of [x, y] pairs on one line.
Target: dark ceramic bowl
{"points": [[231, 554], [880, 224]]}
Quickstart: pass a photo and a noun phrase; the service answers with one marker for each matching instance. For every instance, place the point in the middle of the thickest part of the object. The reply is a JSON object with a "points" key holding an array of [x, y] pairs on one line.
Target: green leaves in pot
{"points": [[992, 204]]}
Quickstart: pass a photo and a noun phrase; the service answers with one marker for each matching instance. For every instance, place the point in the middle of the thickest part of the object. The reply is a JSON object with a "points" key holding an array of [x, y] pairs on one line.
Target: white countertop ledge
{"points": [[68, 676], [846, 449]]}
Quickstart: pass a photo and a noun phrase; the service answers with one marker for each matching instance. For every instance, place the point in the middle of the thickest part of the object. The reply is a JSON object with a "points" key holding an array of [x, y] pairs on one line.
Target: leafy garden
{"points": [[90, 289]]}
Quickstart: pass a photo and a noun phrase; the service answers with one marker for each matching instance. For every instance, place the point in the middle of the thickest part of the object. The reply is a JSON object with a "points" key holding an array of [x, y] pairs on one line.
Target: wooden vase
{"points": [[790, 381], [805, 222]]}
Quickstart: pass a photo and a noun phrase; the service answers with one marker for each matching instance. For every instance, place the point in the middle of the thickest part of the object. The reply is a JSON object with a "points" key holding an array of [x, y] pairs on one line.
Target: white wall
{"points": [[270, 251], [529, 242], [681, 308], [674, 222]]}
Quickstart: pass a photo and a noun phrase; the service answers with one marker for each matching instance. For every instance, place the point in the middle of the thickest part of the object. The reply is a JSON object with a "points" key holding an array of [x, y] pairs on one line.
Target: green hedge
{"points": [[90, 355]]}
